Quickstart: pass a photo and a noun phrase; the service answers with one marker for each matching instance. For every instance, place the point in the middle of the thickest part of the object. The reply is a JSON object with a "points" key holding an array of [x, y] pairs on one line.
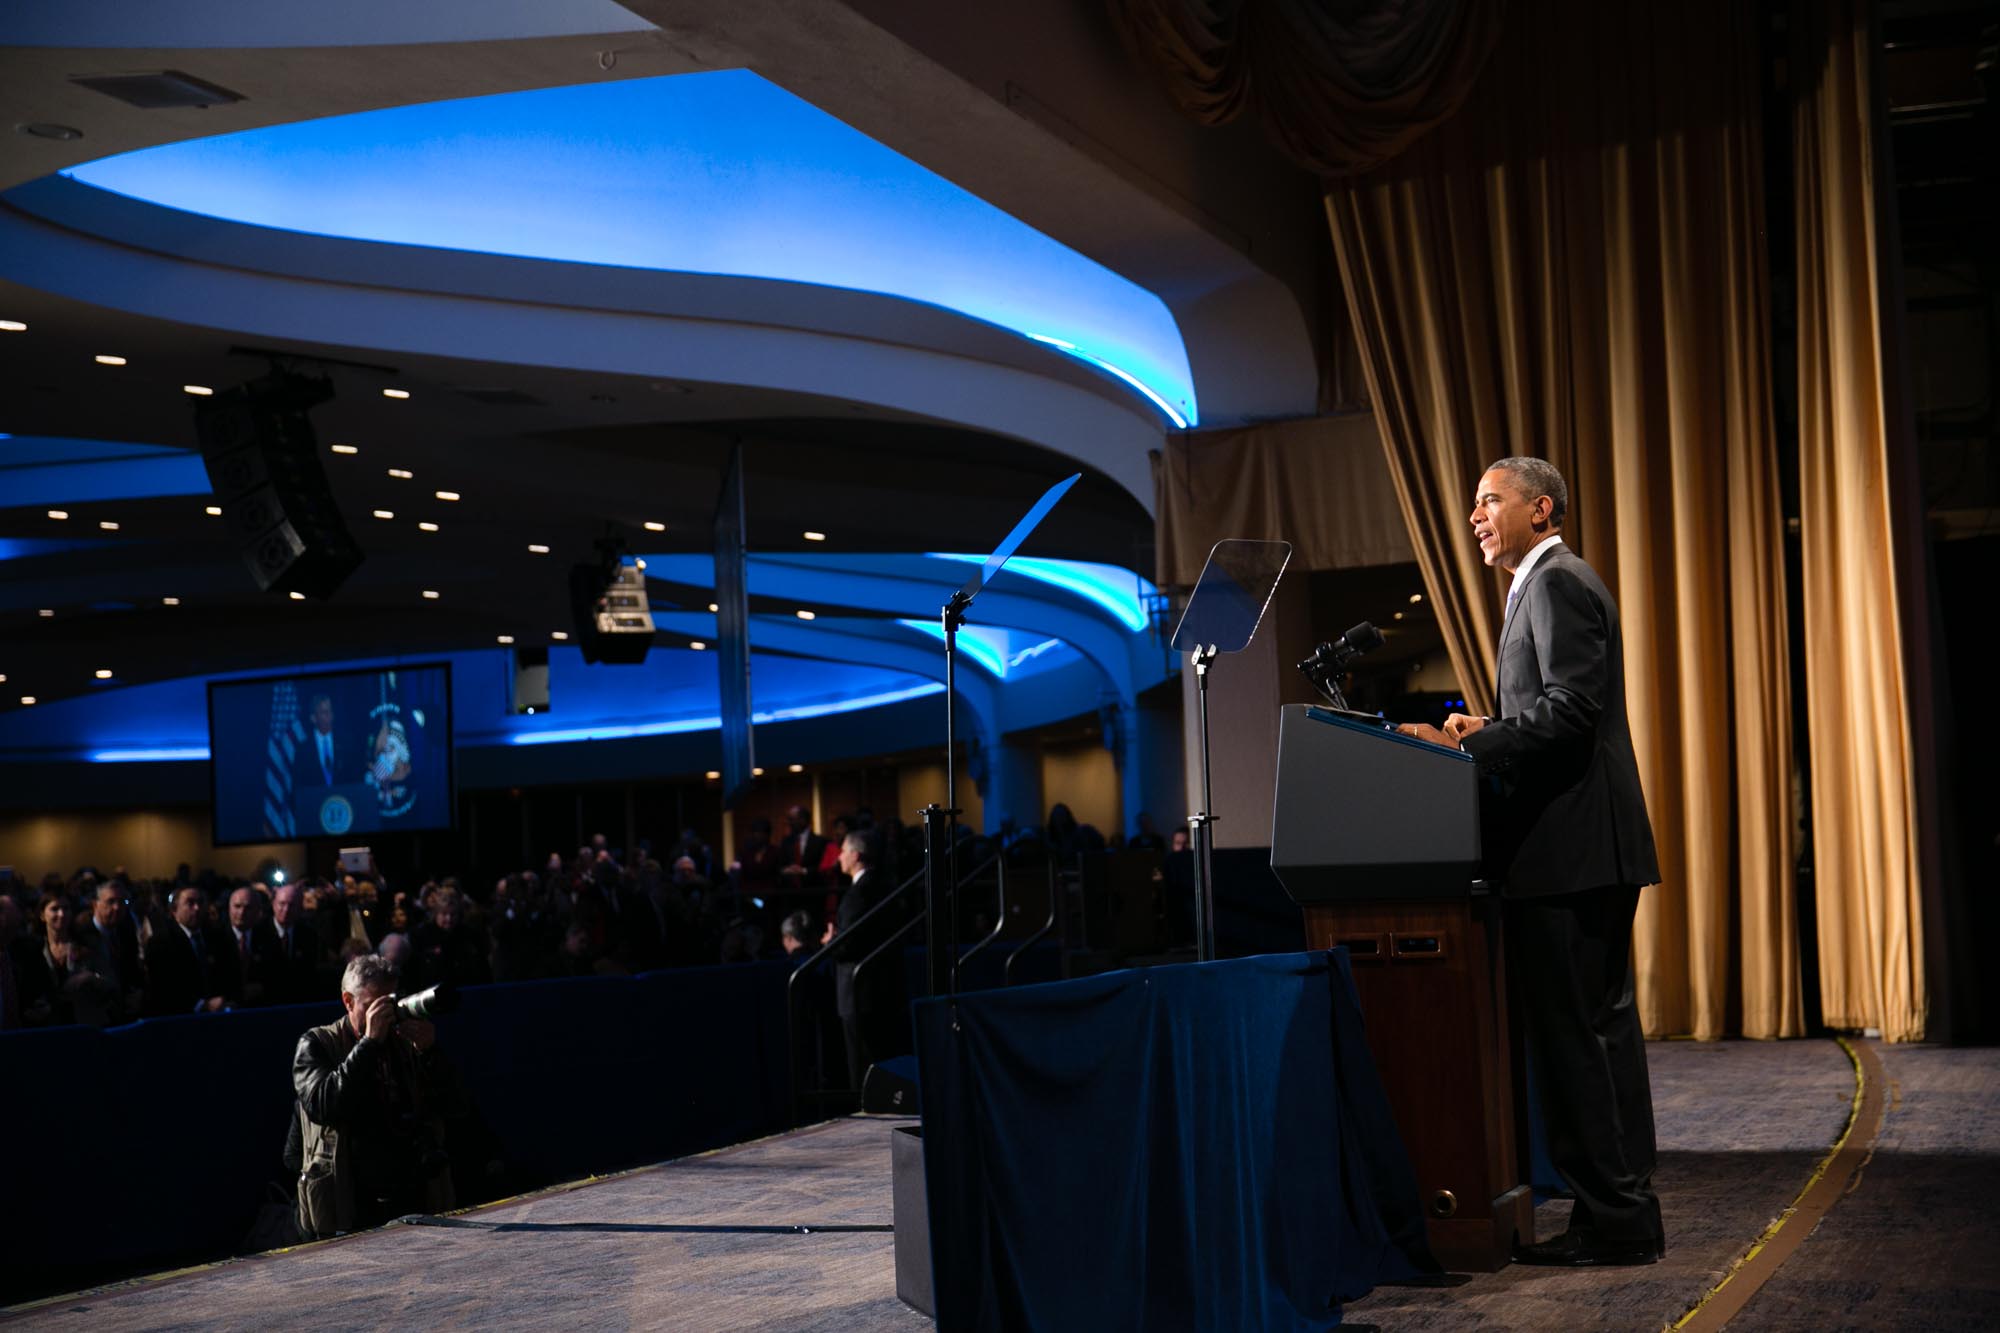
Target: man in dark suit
{"points": [[321, 759], [295, 950], [871, 1006], [113, 944], [1569, 841], [186, 962], [801, 852]]}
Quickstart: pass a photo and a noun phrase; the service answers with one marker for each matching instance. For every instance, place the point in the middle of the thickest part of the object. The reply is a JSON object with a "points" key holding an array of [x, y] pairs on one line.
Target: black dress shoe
{"points": [[1570, 1250]]}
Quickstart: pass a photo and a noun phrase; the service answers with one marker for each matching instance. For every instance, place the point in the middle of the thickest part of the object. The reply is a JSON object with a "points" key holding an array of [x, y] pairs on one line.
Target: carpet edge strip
{"points": [[1823, 1188]]}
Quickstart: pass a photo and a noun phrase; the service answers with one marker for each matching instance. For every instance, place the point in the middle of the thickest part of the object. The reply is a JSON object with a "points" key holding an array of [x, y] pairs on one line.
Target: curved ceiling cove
{"points": [[720, 173]]}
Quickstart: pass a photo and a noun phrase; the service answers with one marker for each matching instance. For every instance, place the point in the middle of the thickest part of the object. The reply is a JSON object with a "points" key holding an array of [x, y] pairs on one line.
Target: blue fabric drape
{"points": [[1196, 1147]]}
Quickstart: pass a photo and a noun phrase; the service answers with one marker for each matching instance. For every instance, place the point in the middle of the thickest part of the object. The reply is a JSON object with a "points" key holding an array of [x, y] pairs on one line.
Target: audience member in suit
{"points": [[446, 952], [1572, 847], [186, 963], [295, 951], [323, 759], [113, 942], [10, 930], [800, 853], [872, 1012], [1148, 838], [252, 944]]}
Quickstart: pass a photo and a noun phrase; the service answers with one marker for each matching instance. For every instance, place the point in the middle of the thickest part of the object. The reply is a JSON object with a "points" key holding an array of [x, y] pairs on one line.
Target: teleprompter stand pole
{"points": [[1201, 830]]}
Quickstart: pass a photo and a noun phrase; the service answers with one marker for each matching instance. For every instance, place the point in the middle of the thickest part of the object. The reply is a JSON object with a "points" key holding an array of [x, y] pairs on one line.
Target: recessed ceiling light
{"points": [[815, 536], [104, 360], [198, 390], [170, 601], [559, 635], [537, 548], [1416, 597], [213, 511], [107, 525], [1399, 615], [395, 393], [345, 449], [447, 495], [712, 606], [296, 596], [428, 526], [104, 673], [28, 700], [430, 594], [385, 513], [711, 775], [506, 638], [12, 326], [45, 613], [402, 472], [696, 644], [803, 615], [3, 678], [59, 513], [651, 526], [795, 768], [756, 772], [641, 564]]}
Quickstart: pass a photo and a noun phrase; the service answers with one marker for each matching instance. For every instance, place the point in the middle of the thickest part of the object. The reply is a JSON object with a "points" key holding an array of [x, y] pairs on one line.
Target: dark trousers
{"points": [[1571, 958], [872, 1036]]}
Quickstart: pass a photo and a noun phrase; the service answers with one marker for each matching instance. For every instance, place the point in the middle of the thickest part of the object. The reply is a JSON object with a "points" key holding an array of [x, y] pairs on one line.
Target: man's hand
{"points": [[1424, 731], [213, 1004], [826, 936], [418, 1031], [1460, 725], [382, 1017]]}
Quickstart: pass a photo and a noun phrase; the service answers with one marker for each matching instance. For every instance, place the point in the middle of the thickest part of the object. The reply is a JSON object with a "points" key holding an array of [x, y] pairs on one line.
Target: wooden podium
{"points": [[1376, 837]]}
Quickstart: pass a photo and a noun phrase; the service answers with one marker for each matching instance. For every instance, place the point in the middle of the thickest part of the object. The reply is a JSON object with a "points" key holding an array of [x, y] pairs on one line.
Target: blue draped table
{"points": [[1196, 1147]]}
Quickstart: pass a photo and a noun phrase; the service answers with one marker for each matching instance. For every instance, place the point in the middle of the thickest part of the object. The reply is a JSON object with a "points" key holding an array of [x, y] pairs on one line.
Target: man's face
{"points": [[284, 906], [683, 869], [322, 716], [357, 1006], [1506, 522], [796, 819], [445, 914], [187, 908], [242, 909], [850, 860], [110, 905]]}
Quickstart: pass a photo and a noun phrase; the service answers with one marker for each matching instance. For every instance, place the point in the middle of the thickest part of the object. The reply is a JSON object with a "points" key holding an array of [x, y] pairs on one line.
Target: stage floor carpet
{"points": [[1742, 1126]]}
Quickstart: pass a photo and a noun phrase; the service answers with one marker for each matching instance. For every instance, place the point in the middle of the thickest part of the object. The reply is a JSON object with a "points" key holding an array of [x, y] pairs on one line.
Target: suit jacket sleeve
{"points": [[1570, 641]]}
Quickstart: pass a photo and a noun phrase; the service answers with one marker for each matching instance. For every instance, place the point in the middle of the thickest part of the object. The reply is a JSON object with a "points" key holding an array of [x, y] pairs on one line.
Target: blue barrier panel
{"points": [[154, 1145]]}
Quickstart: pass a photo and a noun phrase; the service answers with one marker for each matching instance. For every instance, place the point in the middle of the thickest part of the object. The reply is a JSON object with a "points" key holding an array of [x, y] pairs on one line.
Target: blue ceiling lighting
{"points": [[152, 756], [796, 713], [719, 172], [973, 640], [46, 469], [1119, 591]]}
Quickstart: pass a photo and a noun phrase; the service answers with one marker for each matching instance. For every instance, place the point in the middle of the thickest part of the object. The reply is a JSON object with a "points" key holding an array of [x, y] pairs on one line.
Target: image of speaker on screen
{"points": [[324, 759]]}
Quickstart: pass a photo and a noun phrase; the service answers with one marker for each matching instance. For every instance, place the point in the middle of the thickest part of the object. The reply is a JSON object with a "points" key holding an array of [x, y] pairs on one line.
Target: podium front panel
{"points": [[1365, 813]]}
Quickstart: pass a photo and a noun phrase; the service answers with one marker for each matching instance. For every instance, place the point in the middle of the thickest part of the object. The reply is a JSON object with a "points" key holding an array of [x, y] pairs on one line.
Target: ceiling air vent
{"points": [[165, 88]]}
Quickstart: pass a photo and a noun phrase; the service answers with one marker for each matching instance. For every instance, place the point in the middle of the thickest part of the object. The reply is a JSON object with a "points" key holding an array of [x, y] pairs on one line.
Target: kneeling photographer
{"points": [[373, 1097]]}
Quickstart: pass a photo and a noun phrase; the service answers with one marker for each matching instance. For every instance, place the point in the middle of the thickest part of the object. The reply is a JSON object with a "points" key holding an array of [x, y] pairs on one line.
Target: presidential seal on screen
{"points": [[335, 815]]}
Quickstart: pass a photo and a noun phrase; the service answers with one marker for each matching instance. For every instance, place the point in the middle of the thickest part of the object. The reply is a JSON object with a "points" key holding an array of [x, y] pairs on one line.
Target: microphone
{"points": [[1363, 638]]}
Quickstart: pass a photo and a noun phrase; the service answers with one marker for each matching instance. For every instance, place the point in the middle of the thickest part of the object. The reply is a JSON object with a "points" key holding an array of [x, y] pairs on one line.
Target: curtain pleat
{"points": [[1572, 266], [1865, 834]]}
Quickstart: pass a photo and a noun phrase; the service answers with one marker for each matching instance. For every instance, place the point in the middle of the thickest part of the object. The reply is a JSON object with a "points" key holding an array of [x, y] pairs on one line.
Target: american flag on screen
{"points": [[287, 734]]}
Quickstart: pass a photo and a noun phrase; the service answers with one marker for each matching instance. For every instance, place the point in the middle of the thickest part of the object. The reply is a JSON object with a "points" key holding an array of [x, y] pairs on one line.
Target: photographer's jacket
{"points": [[371, 1112]]}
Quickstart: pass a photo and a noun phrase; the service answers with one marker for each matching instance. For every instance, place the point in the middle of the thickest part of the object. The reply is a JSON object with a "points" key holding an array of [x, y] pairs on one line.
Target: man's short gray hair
{"points": [[369, 972], [861, 845], [1536, 477]]}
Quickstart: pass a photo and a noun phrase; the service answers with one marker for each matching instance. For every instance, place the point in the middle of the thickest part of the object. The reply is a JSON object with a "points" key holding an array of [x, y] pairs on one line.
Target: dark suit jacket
{"points": [[295, 973], [347, 763], [176, 980], [1564, 811], [880, 984]]}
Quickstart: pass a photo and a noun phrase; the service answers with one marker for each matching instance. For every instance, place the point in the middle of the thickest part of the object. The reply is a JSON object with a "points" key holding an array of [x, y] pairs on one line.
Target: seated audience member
{"points": [[447, 953], [189, 969], [373, 1097], [295, 955], [799, 938], [577, 958], [395, 950], [46, 971], [113, 943], [1148, 838]]}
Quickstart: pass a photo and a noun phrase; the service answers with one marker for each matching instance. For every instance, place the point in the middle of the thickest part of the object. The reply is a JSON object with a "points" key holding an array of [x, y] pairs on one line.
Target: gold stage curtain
{"points": [[1573, 266], [1866, 839], [1340, 87], [1318, 483]]}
